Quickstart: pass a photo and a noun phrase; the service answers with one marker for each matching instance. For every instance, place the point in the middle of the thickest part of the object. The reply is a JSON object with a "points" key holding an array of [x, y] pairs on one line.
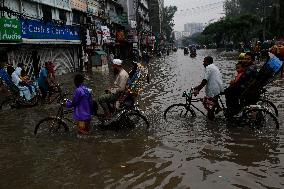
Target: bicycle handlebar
{"points": [[189, 94]]}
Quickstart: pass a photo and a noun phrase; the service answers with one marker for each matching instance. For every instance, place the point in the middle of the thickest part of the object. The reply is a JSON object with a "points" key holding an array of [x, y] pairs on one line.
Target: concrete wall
{"points": [[33, 9]]}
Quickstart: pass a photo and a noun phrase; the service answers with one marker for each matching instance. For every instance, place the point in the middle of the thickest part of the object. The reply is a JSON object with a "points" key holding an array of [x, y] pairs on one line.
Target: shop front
{"points": [[46, 41]]}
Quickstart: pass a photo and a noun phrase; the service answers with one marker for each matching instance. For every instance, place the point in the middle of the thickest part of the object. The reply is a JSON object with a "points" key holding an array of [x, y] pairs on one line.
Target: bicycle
{"points": [[58, 95], [15, 100], [127, 116], [254, 115], [263, 101]]}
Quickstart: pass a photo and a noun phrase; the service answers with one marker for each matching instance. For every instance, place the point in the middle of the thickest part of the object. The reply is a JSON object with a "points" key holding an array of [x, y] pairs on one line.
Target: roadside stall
{"points": [[99, 61]]}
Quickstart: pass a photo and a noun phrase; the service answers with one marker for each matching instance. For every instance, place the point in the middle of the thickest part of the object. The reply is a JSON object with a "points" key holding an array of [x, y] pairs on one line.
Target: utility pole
{"points": [[277, 19], [264, 25]]}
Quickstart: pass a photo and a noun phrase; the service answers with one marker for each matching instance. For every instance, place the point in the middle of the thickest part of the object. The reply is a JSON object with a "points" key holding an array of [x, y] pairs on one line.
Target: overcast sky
{"points": [[203, 11]]}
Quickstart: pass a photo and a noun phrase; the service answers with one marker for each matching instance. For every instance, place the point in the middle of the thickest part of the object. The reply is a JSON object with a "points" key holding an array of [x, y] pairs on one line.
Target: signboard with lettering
{"points": [[34, 29], [106, 34], [132, 36], [10, 30]]}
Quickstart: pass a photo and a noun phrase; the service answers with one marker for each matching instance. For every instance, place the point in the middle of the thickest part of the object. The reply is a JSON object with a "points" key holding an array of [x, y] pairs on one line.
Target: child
{"points": [[26, 81], [83, 105], [240, 71]]}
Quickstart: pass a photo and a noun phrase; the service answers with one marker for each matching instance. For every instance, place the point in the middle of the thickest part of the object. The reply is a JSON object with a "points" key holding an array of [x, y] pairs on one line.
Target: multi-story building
{"points": [[44, 33], [177, 35], [139, 32], [156, 15], [193, 28], [185, 34], [36, 31]]}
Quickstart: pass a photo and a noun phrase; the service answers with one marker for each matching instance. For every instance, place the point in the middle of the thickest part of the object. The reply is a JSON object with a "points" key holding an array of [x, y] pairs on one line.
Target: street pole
{"points": [[264, 25]]}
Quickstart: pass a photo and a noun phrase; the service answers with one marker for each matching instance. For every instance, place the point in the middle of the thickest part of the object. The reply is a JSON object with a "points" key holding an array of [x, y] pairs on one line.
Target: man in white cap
{"points": [[114, 92]]}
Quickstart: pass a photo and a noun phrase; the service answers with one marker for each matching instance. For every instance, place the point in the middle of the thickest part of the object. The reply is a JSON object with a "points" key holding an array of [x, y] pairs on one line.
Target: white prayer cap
{"points": [[117, 61]]}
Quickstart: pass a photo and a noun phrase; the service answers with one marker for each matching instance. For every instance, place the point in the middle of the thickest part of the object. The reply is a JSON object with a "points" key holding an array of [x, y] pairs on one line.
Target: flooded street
{"points": [[195, 154]]}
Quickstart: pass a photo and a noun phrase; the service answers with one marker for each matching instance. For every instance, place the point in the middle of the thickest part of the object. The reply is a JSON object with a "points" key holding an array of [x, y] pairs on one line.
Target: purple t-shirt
{"points": [[82, 103]]}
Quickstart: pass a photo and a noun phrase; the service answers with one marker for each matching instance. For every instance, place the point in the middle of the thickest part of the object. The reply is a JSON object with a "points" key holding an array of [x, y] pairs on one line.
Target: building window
{"points": [[78, 18], [62, 15], [46, 13]]}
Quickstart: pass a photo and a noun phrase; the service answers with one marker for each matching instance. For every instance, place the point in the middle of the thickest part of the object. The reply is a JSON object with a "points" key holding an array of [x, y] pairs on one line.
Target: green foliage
{"points": [[197, 38], [168, 22], [233, 29], [247, 19]]}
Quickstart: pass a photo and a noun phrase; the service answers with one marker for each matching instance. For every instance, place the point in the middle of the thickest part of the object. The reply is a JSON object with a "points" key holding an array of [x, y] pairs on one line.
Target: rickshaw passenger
{"points": [[5, 76], [267, 72], [234, 92], [24, 90]]}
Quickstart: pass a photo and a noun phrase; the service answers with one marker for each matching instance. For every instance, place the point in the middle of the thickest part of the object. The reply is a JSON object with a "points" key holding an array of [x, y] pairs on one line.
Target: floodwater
{"points": [[193, 154]]}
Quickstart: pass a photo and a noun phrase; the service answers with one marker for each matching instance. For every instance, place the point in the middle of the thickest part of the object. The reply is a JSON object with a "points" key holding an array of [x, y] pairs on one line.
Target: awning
{"points": [[51, 41], [101, 52]]}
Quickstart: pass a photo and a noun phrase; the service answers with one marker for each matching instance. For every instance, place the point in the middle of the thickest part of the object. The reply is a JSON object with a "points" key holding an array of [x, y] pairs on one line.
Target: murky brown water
{"points": [[196, 154]]}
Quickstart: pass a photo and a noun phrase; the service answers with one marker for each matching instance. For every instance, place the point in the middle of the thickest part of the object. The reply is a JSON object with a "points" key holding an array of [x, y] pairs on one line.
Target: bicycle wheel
{"points": [[28, 103], [51, 126], [133, 120], [178, 111], [261, 118], [269, 105]]}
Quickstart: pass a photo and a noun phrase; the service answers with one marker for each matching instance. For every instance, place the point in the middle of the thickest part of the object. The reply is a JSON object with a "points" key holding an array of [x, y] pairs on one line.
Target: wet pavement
{"points": [[193, 154]]}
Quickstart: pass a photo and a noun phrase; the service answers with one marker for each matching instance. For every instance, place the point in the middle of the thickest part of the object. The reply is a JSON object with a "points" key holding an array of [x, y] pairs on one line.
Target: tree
{"points": [[231, 8], [168, 22]]}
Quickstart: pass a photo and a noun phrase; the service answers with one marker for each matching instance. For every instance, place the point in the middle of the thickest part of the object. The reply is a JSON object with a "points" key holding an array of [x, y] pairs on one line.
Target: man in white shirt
{"points": [[213, 86], [114, 92], [24, 90]]}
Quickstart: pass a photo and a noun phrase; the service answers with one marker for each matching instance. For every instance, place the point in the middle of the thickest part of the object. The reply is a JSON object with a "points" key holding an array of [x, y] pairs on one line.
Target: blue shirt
{"points": [[42, 79], [274, 64], [5, 77]]}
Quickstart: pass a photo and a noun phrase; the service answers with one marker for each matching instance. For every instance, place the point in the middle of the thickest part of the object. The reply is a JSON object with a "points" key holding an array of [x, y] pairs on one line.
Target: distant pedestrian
{"points": [[111, 57], [43, 81], [146, 57], [85, 59]]}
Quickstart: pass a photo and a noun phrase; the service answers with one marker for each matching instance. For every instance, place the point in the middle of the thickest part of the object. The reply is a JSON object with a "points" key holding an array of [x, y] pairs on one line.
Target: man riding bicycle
{"points": [[113, 93], [213, 86]]}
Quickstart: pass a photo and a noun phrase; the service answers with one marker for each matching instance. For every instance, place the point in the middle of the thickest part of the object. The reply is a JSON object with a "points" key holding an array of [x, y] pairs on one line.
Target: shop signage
{"points": [[106, 34], [124, 18], [120, 36], [133, 24], [114, 17], [33, 29], [132, 36], [10, 30]]}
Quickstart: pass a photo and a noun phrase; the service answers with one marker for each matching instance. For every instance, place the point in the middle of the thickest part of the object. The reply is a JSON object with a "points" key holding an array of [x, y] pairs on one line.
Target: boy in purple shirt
{"points": [[83, 105]]}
